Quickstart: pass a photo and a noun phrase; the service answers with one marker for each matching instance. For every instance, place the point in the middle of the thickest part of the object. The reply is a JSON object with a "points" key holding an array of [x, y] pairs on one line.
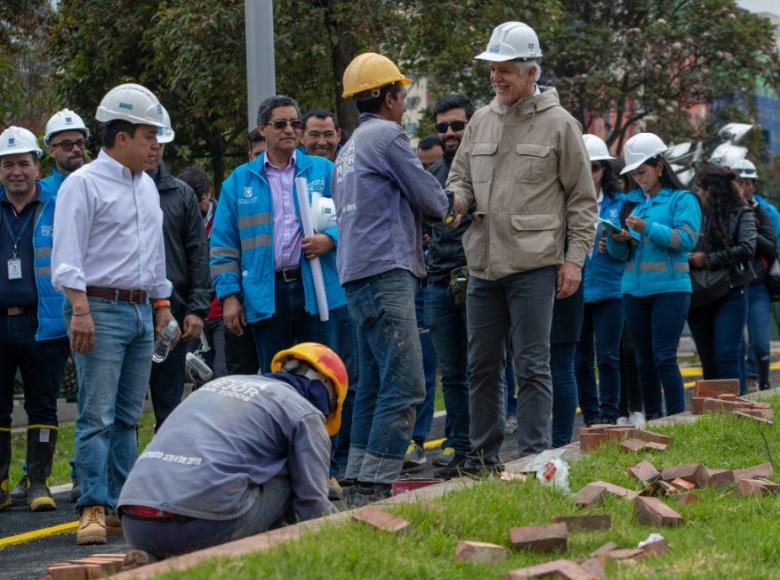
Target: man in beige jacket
{"points": [[523, 173]]}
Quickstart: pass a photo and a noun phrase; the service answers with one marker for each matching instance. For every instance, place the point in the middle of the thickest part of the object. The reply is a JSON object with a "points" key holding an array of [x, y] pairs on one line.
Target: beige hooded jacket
{"points": [[525, 173]]}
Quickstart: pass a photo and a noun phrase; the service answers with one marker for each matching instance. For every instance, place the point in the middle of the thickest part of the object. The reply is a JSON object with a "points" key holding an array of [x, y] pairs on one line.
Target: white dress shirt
{"points": [[108, 230]]}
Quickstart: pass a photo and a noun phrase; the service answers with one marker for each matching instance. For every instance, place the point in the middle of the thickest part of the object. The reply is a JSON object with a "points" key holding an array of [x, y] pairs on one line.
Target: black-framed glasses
{"points": [[456, 126], [594, 167], [280, 124], [68, 145]]}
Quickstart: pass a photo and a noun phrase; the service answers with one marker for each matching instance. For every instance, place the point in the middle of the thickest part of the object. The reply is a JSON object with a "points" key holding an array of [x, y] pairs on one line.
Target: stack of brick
{"points": [[632, 440], [722, 396], [91, 568]]}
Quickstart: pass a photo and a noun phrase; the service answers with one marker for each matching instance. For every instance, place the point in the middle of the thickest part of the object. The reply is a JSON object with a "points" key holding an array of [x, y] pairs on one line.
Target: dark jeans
{"points": [[718, 329], [447, 323], [241, 353], [604, 321], [630, 393], [391, 374], [424, 420], [347, 349], [289, 325], [166, 383], [759, 332], [42, 365], [511, 385], [564, 409], [656, 323]]}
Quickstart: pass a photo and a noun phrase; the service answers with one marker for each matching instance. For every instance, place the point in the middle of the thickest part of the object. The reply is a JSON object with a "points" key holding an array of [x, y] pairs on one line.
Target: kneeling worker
{"points": [[237, 456]]}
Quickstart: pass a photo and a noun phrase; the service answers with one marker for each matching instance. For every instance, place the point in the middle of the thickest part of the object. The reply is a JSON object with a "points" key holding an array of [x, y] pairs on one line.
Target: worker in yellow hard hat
{"points": [[237, 456], [382, 193]]}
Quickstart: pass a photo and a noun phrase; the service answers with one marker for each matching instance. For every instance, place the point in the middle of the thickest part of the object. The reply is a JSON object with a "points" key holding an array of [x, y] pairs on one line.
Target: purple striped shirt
{"points": [[287, 231]]}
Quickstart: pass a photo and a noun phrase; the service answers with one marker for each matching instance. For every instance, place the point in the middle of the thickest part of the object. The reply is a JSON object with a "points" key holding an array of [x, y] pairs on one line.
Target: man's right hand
{"points": [[82, 333], [233, 315]]}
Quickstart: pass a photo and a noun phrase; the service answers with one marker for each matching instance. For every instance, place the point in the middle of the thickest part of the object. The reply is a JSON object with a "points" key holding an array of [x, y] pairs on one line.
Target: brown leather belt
{"points": [[117, 294]]}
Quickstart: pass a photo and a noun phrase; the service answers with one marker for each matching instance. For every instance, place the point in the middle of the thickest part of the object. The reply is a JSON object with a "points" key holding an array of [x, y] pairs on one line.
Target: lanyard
{"points": [[16, 238]]}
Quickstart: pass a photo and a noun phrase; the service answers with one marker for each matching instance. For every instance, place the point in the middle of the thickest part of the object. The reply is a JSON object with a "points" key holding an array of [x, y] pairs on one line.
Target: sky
{"points": [[760, 5]]}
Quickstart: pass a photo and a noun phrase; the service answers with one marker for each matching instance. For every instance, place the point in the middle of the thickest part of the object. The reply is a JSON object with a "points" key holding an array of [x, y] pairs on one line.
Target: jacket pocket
{"points": [[483, 159], [535, 235], [532, 162]]}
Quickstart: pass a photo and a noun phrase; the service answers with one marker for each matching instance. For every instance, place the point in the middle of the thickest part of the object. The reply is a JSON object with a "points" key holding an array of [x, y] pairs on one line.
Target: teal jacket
{"points": [[658, 261], [242, 253]]}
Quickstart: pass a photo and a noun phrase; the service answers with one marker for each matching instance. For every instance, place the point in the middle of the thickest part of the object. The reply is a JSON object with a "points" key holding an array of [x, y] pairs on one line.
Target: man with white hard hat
{"points": [[32, 333], [109, 259], [67, 138], [523, 171]]}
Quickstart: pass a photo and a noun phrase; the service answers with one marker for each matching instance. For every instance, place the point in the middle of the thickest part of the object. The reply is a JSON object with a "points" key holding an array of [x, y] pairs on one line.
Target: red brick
{"points": [[604, 550], [585, 523], [632, 445], [656, 548], [688, 497], [683, 484], [626, 554], [695, 473], [482, 552], [651, 511], [543, 538], [667, 488], [643, 471], [651, 437], [653, 446], [697, 404], [755, 415], [613, 489], [715, 387], [594, 566], [92, 568], [590, 495], [556, 570], [720, 478], [381, 520], [719, 406], [762, 470], [66, 572]]}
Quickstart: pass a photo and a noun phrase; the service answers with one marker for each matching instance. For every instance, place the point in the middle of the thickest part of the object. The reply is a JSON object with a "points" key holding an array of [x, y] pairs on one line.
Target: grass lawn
{"points": [[722, 537], [60, 472]]}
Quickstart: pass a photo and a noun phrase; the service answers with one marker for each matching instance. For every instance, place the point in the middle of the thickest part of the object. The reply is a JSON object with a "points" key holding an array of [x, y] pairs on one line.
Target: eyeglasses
{"points": [[456, 126], [280, 124], [69, 145], [596, 167]]}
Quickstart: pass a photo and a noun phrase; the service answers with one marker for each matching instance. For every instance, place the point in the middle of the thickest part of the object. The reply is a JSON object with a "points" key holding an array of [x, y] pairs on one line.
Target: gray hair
{"points": [[524, 65]]}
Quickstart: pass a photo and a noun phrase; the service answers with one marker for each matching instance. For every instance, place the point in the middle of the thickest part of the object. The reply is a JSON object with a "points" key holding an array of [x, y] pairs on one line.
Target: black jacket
{"points": [[742, 228], [445, 251], [186, 246], [766, 248]]}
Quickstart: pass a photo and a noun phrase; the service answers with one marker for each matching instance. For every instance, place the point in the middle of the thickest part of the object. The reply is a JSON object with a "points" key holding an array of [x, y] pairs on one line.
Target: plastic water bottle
{"points": [[163, 345]]}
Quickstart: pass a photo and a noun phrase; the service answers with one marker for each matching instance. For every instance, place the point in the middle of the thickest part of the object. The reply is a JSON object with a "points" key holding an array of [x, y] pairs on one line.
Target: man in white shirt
{"points": [[109, 259]]}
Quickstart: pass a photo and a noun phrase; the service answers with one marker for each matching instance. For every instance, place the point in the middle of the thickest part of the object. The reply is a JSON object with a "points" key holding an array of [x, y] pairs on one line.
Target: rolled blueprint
{"points": [[302, 190]]}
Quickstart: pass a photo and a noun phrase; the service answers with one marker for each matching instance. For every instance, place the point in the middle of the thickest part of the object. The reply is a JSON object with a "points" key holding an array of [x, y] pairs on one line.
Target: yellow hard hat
{"points": [[325, 362], [369, 71]]}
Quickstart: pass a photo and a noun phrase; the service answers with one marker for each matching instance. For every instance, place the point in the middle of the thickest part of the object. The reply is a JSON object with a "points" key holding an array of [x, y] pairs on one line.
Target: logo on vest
{"points": [[47, 231]]}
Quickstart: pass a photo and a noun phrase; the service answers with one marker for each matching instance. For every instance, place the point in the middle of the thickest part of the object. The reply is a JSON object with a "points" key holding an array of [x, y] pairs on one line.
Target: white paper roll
{"points": [[302, 189]]}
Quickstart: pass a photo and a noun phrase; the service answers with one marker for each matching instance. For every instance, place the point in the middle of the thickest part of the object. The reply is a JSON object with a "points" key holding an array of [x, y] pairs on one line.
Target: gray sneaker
{"points": [[415, 456], [444, 457]]}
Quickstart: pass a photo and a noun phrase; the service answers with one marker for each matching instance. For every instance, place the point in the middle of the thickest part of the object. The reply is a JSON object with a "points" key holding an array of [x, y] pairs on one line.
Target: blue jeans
{"points": [[166, 383], [604, 320], [422, 425], [717, 329], [759, 320], [391, 374], [447, 323], [656, 323], [564, 391], [113, 378], [289, 325], [347, 349]]}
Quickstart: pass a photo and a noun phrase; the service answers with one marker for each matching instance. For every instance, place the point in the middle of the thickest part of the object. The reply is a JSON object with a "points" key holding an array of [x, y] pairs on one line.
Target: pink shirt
{"points": [[287, 230]]}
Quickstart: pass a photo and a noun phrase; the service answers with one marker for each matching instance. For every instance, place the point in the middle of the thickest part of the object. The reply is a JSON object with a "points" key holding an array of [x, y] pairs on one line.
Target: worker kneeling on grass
{"points": [[238, 456]]}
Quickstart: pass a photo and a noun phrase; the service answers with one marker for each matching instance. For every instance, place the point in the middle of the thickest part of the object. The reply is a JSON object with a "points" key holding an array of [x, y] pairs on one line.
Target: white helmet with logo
{"points": [[597, 149], [640, 148], [64, 120], [132, 103], [745, 169], [19, 140], [728, 155], [512, 41], [165, 134], [323, 213]]}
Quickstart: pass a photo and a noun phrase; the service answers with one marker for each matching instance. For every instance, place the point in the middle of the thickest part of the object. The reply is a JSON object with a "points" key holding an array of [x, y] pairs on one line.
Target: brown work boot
{"points": [[113, 525], [92, 526]]}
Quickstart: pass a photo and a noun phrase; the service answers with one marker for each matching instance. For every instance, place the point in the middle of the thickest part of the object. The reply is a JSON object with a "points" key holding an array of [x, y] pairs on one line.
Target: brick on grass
{"points": [[632, 445], [710, 405], [656, 548], [643, 471], [381, 520], [626, 554], [697, 404], [617, 490], [541, 538], [762, 470], [755, 487], [715, 387], [753, 415], [651, 437], [651, 511], [594, 566], [482, 552], [688, 497], [695, 473], [585, 523], [591, 495], [720, 478], [653, 446], [683, 484], [557, 570], [603, 550]]}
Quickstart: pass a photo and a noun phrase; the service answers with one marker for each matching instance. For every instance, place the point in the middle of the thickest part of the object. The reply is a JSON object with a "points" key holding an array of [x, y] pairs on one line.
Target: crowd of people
{"points": [[536, 271]]}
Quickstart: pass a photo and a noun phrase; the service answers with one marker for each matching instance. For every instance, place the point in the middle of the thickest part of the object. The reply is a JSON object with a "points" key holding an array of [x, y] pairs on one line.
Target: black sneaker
{"points": [[460, 468], [362, 494]]}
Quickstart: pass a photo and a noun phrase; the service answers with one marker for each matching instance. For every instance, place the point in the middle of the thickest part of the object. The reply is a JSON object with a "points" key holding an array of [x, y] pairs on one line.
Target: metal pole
{"points": [[260, 65]]}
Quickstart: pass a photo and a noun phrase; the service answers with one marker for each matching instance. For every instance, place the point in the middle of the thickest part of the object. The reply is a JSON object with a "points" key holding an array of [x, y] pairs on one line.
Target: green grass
{"points": [[722, 537], [60, 472]]}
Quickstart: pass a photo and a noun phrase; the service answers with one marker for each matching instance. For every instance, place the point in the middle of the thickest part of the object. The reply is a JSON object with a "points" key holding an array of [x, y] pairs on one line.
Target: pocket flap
{"points": [[484, 148], [533, 150], [536, 221]]}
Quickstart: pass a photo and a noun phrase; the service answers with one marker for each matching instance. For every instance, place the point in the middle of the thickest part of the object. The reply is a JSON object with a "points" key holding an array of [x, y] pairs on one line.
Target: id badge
{"points": [[14, 269]]}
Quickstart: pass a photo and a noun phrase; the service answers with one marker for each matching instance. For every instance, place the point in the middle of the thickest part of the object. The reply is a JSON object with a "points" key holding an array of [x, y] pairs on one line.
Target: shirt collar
{"points": [[115, 167], [267, 162]]}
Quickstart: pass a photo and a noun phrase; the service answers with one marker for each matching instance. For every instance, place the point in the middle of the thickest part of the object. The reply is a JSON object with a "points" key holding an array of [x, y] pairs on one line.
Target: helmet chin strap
{"points": [[302, 369]]}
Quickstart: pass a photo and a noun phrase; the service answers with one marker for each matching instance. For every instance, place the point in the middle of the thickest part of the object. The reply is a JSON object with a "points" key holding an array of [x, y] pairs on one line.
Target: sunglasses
{"points": [[456, 126], [596, 167], [68, 146], [280, 124]]}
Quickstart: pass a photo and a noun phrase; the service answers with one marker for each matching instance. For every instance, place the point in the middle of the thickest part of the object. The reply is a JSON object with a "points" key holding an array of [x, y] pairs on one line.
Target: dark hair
{"points": [[373, 104], [449, 102], [668, 176], [255, 137], [320, 114], [429, 142], [722, 199], [267, 107], [113, 128], [609, 182], [197, 179]]}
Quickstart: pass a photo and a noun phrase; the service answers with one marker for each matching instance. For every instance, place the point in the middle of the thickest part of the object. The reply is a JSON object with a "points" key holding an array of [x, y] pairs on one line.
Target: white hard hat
{"points": [[727, 155], [597, 149], [19, 140], [640, 148], [165, 134], [512, 41], [64, 120], [132, 103], [323, 213], [745, 169]]}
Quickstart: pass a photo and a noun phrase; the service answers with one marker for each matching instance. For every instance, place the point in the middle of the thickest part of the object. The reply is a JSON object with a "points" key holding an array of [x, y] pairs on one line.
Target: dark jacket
{"points": [[186, 246], [739, 257], [445, 251], [766, 248]]}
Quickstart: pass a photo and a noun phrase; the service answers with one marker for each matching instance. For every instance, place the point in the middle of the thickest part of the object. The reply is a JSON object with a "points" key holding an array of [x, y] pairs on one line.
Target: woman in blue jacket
{"points": [[603, 314], [656, 285]]}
